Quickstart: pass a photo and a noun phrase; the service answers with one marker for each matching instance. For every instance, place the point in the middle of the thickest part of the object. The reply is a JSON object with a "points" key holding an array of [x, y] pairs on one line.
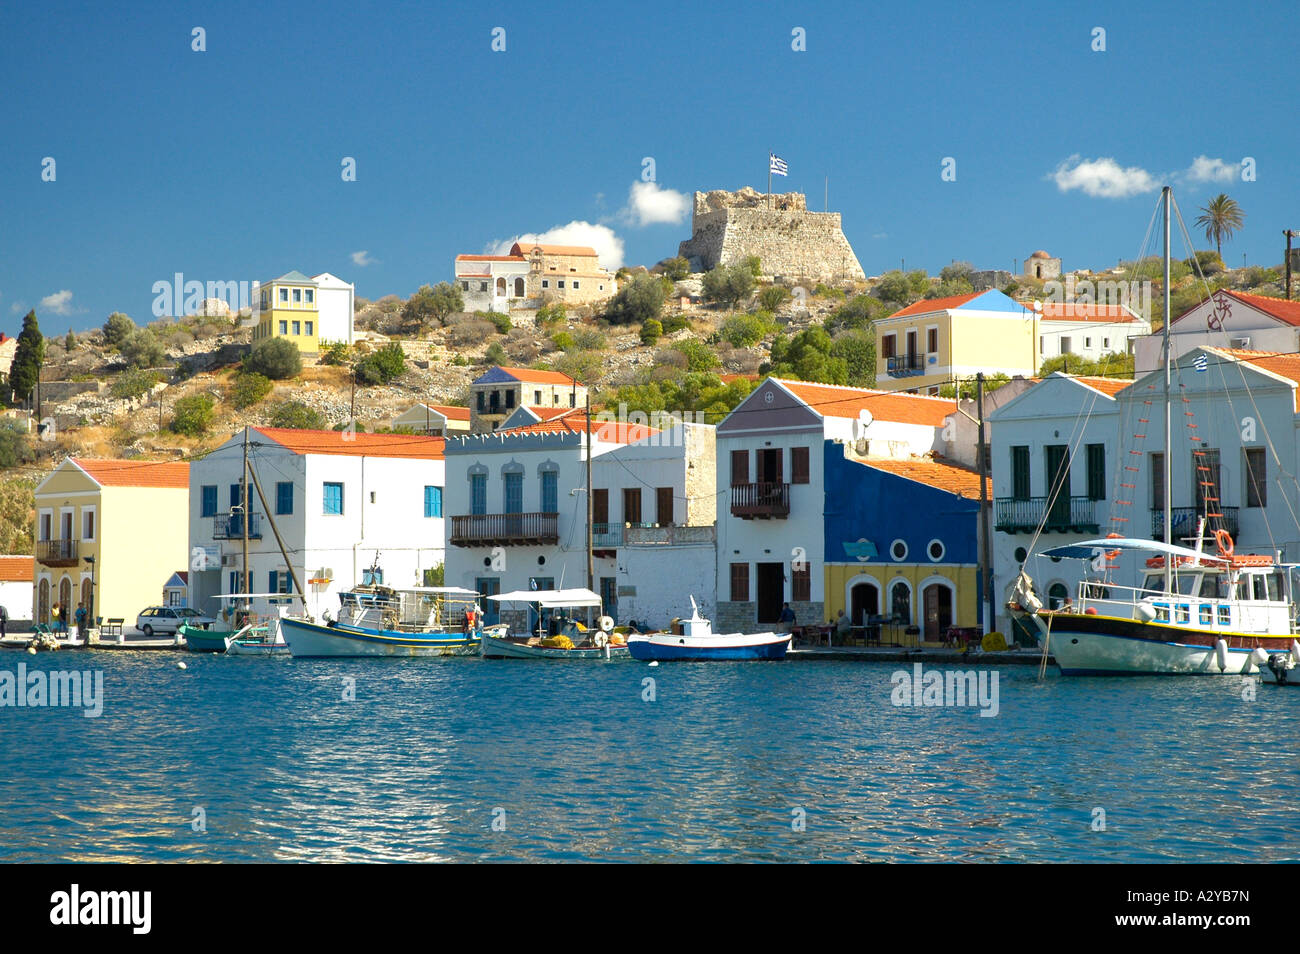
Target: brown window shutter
{"points": [[664, 506], [739, 582], [799, 465], [739, 467]]}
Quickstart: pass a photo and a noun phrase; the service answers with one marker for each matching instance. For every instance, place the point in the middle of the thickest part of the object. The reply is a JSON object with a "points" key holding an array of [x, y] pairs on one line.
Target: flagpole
{"points": [[769, 180]]}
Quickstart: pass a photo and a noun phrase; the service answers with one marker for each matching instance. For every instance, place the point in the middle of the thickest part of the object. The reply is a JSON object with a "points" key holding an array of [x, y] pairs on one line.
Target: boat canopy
{"points": [[1087, 549], [551, 599], [441, 590], [256, 596]]}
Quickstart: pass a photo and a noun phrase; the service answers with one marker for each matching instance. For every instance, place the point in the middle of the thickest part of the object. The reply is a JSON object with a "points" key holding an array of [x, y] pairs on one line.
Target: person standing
{"points": [[81, 619], [54, 616], [4, 620], [787, 619]]}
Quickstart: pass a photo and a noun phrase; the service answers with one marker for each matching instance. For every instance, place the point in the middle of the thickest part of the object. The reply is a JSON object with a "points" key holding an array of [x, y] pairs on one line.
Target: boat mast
{"points": [[1168, 457], [243, 519]]}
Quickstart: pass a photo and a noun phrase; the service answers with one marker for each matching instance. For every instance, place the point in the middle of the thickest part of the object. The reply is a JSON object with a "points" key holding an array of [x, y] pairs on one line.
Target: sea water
{"points": [[461, 759]]}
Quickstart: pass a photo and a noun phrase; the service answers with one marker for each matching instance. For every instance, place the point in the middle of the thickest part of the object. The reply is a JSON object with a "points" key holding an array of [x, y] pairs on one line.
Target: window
{"points": [[898, 550], [333, 498], [297, 296], [632, 505], [1020, 472], [1105, 343], [600, 505], [936, 550], [510, 399], [432, 501], [888, 346], [664, 506], [1256, 477], [46, 520], [284, 497], [209, 500], [482, 286], [284, 295], [739, 582], [284, 327], [478, 493], [1087, 342], [1066, 345], [799, 465], [739, 467], [309, 328], [801, 583], [482, 401], [514, 493], [575, 284], [309, 294], [537, 398], [572, 398], [297, 327], [546, 283], [464, 286], [900, 603], [1096, 471], [560, 283], [236, 496], [932, 340], [88, 524], [550, 491], [1157, 481]]}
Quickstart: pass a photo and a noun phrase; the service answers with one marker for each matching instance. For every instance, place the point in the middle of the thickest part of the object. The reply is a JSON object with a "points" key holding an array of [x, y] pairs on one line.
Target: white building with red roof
{"points": [[16, 574], [1227, 319], [345, 504], [531, 275], [434, 420], [496, 394]]}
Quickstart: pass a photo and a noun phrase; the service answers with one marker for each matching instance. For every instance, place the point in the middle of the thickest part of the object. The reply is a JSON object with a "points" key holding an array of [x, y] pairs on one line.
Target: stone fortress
{"points": [[790, 241]]}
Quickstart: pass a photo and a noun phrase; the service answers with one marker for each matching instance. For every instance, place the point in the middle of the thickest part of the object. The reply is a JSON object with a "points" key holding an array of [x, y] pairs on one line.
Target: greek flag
{"points": [[776, 165], [1201, 362]]}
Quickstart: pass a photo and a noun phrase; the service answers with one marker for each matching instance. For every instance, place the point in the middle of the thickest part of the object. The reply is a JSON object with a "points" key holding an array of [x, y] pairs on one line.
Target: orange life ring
{"points": [[1223, 540]]}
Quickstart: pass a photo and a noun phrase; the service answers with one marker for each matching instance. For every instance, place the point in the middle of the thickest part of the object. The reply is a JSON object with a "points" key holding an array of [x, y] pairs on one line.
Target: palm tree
{"points": [[1222, 217]]}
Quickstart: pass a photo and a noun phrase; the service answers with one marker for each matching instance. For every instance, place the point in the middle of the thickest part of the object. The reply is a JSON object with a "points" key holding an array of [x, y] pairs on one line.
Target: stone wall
{"points": [[789, 241]]}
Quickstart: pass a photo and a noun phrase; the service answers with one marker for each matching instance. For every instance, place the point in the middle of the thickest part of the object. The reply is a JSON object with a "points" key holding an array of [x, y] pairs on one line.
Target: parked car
{"points": [[167, 619]]}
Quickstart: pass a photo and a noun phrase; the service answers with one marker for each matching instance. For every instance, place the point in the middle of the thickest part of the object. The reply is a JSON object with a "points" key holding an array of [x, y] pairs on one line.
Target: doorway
{"points": [[771, 591], [864, 601], [938, 611], [489, 586]]}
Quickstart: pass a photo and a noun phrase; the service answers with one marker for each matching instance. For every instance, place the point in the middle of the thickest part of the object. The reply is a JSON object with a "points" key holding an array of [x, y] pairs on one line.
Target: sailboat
{"points": [[1192, 612]]}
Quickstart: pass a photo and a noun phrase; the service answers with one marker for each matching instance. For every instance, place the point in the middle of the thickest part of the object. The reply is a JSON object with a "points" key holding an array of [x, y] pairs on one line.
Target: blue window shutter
{"points": [[284, 497], [550, 494], [478, 493], [210, 500], [432, 501], [273, 585]]}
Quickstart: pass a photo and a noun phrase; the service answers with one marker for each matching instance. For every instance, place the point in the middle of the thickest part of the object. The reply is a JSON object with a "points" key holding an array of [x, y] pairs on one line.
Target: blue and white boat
{"points": [[694, 639], [383, 621]]}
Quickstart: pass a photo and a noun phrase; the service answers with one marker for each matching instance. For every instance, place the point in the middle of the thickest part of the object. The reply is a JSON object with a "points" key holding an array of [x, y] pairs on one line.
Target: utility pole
{"points": [[591, 560], [1289, 233], [986, 562], [243, 493]]}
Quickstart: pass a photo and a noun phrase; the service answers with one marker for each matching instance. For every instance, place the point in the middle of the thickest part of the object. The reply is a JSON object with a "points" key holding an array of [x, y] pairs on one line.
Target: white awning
{"points": [[551, 599], [1088, 549]]}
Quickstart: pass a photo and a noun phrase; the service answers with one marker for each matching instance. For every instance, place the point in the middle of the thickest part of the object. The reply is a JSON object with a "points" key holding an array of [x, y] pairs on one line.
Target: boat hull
{"points": [[664, 647], [494, 648], [204, 640], [313, 641], [1108, 646]]}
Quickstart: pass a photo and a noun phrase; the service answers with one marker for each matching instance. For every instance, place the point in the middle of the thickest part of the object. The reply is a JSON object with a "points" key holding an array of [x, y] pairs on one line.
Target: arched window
{"points": [[900, 602], [1057, 594], [519, 287], [864, 601], [501, 287], [43, 605], [938, 602]]}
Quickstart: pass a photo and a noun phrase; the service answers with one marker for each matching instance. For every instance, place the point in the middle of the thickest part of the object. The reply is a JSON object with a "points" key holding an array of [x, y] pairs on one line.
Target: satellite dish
{"points": [[861, 424]]}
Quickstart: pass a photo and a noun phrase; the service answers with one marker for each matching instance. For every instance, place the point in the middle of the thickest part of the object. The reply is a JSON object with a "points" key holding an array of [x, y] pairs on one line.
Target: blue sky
{"points": [[225, 165]]}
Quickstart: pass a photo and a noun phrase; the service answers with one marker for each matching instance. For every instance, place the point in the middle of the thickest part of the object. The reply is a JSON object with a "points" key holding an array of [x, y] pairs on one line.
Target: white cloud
{"points": [[1103, 178], [880, 235], [648, 204], [363, 258], [60, 303], [608, 246], [15, 308], [1205, 169]]}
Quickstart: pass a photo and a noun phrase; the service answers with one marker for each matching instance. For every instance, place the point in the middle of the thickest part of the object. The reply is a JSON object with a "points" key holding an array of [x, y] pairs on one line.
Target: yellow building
{"points": [[932, 342], [289, 308], [109, 534]]}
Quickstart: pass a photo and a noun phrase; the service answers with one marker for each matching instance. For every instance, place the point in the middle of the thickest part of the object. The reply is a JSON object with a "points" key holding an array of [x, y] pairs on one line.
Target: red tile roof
{"points": [[940, 474], [449, 412], [1283, 364], [415, 446], [489, 258], [927, 305], [1108, 386], [1085, 311], [17, 569], [830, 400], [573, 421], [550, 413], [1279, 308], [110, 472], [530, 376], [518, 249]]}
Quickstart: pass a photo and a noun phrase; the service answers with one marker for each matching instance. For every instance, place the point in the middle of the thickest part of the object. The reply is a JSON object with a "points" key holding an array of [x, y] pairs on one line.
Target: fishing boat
{"points": [[1191, 612], [378, 620], [694, 639], [1282, 669], [571, 640], [255, 634]]}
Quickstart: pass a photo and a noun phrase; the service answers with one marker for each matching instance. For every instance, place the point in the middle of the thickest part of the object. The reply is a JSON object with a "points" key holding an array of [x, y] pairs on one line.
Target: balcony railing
{"points": [[606, 535], [1066, 515], [230, 526], [504, 529], [1185, 520], [57, 552], [668, 536], [905, 363], [765, 499]]}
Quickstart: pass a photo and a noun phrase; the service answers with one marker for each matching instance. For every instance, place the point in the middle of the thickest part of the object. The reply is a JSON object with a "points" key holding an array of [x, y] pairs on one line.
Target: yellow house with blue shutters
{"points": [[289, 308]]}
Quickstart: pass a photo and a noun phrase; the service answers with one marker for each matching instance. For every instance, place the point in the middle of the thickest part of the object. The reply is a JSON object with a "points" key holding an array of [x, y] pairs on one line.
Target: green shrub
{"points": [[562, 340], [249, 387], [460, 361], [498, 320], [299, 416], [589, 339], [276, 358], [651, 331], [744, 331], [699, 356], [773, 297], [140, 349], [382, 366], [675, 269], [553, 314], [584, 367], [674, 322], [192, 416], [337, 353], [432, 303], [117, 328], [133, 383], [636, 302], [728, 284], [754, 264], [495, 354]]}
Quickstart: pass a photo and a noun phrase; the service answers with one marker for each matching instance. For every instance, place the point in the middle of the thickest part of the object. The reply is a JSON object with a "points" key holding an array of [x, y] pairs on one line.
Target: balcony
{"points": [[1185, 520], [57, 552], [902, 365], [1067, 515], [504, 529], [764, 500], [644, 536], [230, 526], [606, 536]]}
